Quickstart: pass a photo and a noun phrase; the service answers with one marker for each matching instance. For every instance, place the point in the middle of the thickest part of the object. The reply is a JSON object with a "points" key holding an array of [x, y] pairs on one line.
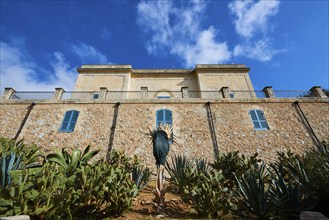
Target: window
{"points": [[164, 116], [231, 95], [163, 95], [96, 96], [69, 121], [258, 119]]}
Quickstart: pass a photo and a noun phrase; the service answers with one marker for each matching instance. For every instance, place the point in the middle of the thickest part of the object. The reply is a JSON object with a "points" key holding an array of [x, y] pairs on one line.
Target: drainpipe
{"points": [[114, 123], [212, 130], [317, 141], [29, 109]]}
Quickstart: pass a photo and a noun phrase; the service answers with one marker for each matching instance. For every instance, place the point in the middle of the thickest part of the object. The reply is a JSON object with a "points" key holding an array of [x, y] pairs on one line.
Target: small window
{"points": [[96, 96], [258, 119], [164, 116], [69, 121], [231, 95], [163, 97]]}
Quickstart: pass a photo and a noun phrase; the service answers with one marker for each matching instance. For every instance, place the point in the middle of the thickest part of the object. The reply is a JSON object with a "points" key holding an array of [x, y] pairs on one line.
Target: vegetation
{"points": [[247, 187], [67, 185], [73, 184]]}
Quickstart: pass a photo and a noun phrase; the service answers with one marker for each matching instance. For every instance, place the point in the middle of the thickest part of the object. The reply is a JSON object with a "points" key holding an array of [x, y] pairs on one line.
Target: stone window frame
{"points": [[69, 121], [164, 120], [258, 118]]}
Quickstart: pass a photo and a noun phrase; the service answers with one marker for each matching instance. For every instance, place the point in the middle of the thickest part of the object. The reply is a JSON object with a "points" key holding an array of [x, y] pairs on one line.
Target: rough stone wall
{"points": [[235, 131], [189, 123], [233, 125], [11, 116]]}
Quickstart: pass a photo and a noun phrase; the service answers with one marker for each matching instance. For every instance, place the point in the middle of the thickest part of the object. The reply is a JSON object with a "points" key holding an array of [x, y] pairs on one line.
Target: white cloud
{"points": [[89, 54], [259, 50], [177, 29], [252, 17], [206, 50], [20, 72]]}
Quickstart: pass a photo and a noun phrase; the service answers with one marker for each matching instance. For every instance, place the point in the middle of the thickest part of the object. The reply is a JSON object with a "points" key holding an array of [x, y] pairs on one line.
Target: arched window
{"points": [[163, 95], [163, 116], [69, 121], [258, 119]]}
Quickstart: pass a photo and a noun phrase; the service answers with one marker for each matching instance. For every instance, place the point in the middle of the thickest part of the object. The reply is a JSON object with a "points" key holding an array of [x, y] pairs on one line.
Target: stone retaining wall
{"points": [[233, 126]]}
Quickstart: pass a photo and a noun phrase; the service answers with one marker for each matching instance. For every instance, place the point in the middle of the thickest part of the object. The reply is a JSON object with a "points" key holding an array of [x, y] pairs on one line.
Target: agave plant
{"points": [[15, 156], [289, 195], [141, 176], [9, 163], [253, 192], [70, 162], [29, 155], [181, 172]]}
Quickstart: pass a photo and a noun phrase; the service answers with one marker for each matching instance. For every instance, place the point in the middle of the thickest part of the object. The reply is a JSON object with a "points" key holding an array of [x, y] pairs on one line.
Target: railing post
{"points": [[58, 93], [225, 93], [269, 93], [103, 93], [318, 92], [8, 93], [185, 92], [144, 91]]}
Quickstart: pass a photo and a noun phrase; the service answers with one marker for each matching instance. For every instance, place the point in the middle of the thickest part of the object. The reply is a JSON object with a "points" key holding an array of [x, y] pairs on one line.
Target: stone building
{"points": [[212, 109]]}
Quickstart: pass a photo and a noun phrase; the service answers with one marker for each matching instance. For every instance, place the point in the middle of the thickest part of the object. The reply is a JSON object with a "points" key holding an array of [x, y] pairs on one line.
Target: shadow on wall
{"points": [[114, 123], [302, 118]]}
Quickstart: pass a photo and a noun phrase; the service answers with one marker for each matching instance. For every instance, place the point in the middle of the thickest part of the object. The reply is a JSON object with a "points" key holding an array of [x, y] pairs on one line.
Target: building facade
{"points": [[212, 109]]}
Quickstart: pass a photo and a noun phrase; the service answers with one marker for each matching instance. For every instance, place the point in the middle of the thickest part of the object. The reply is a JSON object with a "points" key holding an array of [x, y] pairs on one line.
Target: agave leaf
{"points": [[75, 159], [88, 155], [58, 158]]}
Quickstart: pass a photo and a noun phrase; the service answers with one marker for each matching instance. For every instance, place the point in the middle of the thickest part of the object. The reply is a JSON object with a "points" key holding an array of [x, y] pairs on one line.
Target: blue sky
{"points": [[285, 43]]}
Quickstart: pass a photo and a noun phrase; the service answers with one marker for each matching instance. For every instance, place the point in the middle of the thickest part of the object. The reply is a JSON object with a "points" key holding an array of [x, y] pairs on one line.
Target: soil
{"points": [[144, 207]]}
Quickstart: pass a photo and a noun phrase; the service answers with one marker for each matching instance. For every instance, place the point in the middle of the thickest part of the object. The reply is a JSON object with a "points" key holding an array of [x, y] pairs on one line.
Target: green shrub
{"points": [[233, 164], [72, 159], [141, 176], [30, 156], [15, 156], [94, 190], [253, 193], [209, 196], [108, 193], [182, 174]]}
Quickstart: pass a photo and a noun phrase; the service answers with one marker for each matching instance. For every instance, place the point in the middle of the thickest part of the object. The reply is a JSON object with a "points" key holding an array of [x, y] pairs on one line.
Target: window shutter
{"points": [[258, 119], [66, 121], [69, 121], [73, 121]]}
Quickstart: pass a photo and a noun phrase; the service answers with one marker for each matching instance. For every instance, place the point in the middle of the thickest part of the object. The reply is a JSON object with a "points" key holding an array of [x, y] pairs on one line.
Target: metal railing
{"points": [[32, 95], [294, 94], [89, 95], [173, 95]]}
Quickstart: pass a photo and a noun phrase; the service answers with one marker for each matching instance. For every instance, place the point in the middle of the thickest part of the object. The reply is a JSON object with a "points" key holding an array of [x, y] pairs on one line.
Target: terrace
{"points": [[103, 94]]}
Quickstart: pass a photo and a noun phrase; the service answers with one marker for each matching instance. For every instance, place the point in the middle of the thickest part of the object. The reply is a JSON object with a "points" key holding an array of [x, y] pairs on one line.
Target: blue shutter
{"points": [[69, 121], [168, 117], [258, 119], [65, 121], [73, 121]]}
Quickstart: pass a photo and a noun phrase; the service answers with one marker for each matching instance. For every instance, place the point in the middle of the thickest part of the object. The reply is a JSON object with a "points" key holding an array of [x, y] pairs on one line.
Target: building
{"points": [[212, 108]]}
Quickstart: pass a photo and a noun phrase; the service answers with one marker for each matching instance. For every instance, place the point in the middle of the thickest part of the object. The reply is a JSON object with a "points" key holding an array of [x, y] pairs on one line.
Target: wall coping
{"points": [[168, 101]]}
